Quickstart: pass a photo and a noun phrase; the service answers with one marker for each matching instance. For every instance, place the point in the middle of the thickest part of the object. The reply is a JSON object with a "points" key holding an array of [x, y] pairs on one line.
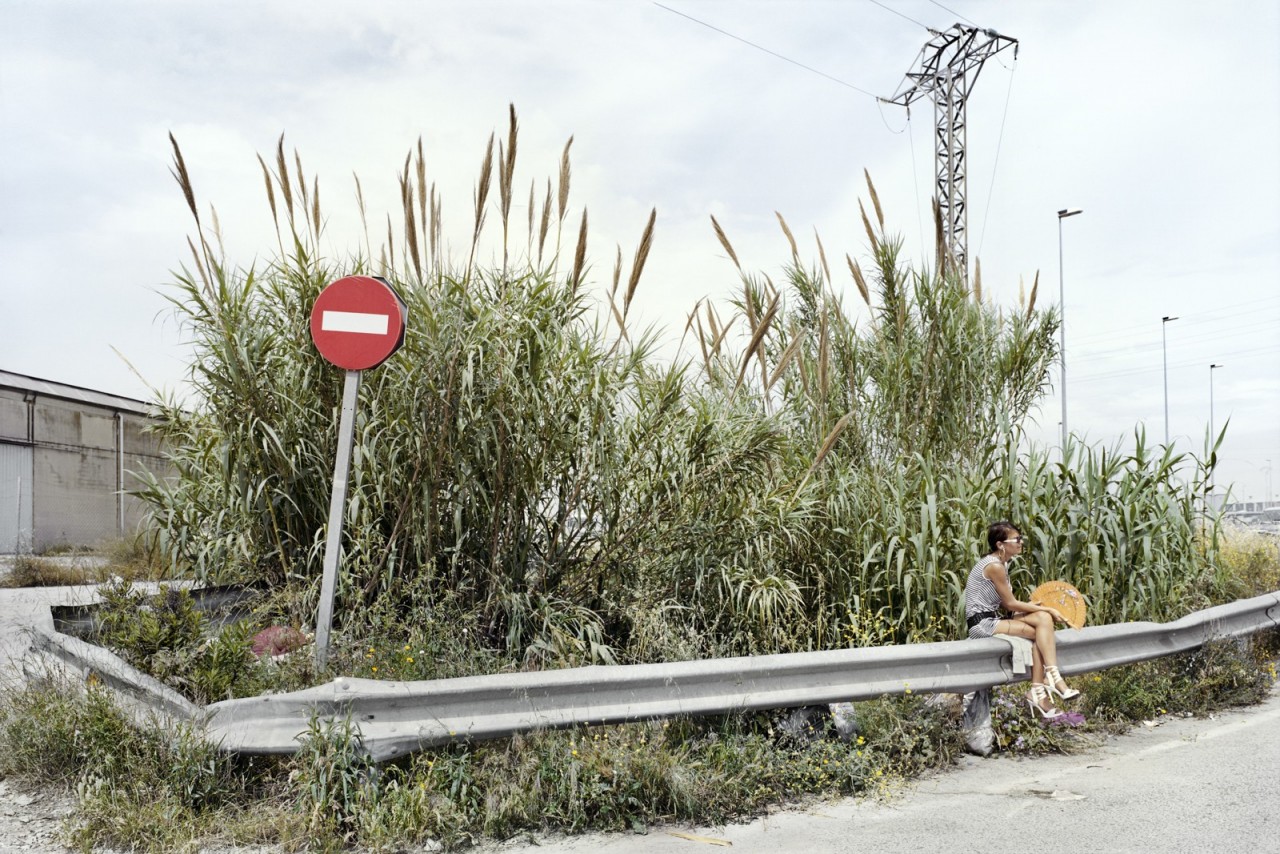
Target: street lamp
{"points": [[1213, 461], [1212, 437], [1164, 321], [1062, 324]]}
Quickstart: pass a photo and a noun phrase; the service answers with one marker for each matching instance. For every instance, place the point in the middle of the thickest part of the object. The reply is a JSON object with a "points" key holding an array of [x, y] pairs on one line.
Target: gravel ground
{"points": [[31, 821]]}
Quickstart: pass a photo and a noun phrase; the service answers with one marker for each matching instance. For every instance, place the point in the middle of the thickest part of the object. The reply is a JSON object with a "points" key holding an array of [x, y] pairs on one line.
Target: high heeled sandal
{"points": [[1053, 678], [1037, 695]]}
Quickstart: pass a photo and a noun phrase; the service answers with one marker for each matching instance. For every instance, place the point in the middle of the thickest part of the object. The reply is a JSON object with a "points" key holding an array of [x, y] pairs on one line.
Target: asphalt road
{"points": [[1184, 785]]}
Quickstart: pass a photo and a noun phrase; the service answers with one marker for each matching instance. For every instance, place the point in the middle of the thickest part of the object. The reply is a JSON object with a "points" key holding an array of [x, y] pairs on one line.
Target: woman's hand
{"points": [[1055, 613]]}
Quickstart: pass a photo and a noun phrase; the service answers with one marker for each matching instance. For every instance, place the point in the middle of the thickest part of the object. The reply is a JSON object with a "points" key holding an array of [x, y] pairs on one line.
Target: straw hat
{"points": [[1063, 597]]}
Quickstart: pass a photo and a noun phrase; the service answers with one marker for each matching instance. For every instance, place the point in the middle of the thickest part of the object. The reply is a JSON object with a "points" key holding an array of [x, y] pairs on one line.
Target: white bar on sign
{"points": [[352, 321]]}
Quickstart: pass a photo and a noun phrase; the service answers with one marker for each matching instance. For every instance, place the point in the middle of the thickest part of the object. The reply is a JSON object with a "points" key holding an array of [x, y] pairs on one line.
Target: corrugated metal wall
{"points": [[72, 457], [15, 498]]}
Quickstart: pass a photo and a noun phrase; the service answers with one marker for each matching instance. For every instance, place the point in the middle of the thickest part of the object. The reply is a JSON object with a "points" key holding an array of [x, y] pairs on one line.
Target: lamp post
{"points": [[1212, 436], [1213, 456], [1164, 321], [1062, 325]]}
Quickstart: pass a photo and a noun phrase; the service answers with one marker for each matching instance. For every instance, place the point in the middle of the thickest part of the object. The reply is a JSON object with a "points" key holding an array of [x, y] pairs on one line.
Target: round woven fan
{"points": [[1065, 598]]}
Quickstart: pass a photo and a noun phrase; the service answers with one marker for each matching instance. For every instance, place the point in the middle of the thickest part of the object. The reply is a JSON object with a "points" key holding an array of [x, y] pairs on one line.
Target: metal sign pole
{"points": [[337, 505]]}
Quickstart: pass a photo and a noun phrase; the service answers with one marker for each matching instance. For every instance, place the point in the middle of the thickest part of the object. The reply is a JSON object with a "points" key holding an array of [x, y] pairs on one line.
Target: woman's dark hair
{"points": [[998, 532]]}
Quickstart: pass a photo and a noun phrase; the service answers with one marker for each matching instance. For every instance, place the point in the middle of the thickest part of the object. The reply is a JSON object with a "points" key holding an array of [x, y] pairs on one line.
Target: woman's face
{"points": [[1011, 545]]}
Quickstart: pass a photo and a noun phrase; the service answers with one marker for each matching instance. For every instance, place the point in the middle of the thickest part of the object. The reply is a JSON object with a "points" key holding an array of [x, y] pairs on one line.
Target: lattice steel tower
{"points": [[945, 71]]}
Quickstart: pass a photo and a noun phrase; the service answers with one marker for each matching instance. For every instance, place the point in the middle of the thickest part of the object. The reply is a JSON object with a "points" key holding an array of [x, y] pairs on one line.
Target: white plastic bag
{"points": [[979, 736]]}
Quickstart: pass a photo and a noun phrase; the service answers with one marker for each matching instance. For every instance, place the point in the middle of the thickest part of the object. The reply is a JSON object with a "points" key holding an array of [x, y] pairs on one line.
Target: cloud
{"points": [[1160, 120]]}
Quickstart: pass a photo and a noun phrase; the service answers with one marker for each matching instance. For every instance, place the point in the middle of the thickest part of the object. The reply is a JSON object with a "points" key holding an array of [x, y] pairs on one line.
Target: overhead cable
{"points": [[765, 49], [900, 15], [986, 213], [945, 9]]}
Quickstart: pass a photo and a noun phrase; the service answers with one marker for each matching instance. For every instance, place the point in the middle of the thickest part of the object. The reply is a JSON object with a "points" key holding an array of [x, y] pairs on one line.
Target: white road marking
{"points": [[1209, 735], [351, 321]]}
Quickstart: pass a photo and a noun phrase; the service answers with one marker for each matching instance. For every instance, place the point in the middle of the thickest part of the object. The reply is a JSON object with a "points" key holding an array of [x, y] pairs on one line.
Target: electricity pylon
{"points": [[948, 66]]}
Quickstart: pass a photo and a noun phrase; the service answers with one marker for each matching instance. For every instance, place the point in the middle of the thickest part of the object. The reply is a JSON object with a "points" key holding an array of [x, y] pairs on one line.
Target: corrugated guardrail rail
{"points": [[396, 718]]}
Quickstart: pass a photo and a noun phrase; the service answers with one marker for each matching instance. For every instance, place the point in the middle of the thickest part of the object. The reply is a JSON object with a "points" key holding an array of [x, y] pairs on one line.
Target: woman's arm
{"points": [[998, 575]]}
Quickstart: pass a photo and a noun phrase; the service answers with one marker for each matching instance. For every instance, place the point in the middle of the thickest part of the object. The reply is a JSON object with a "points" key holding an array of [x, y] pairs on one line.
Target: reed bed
{"points": [[528, 468]]}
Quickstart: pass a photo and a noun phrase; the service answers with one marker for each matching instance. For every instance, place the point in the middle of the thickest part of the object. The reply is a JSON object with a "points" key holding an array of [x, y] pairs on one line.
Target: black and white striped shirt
{"points": [[980, 596]]}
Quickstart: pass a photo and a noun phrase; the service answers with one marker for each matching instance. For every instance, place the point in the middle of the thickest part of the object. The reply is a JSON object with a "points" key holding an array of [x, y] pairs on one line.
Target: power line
{"points": [[766, 50], [900, 15], [945, 9], [1151, 343], [885, 122], [915, 180], [1154, 353], [986, 213], [1231, 354], [1223, 312]]}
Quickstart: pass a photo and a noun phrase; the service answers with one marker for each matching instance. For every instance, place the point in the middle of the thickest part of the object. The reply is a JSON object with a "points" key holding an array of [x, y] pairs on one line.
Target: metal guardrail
{"points": [[142, 693], [395, 718], [1102, 647]]}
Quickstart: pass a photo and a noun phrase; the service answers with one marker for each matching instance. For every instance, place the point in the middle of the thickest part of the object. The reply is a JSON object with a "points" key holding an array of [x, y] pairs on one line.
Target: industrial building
{"points": [[68, 458]]}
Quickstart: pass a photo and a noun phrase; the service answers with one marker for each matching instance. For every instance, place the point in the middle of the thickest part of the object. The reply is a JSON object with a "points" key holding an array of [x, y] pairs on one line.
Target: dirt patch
{"points": [[32, 821]]}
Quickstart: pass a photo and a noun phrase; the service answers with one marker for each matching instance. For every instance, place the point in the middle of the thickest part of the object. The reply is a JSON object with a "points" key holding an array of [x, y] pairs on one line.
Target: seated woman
{"points": [[987, 593]]}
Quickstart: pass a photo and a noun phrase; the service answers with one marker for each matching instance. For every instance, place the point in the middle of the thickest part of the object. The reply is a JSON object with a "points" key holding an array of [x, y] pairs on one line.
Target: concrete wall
{"points": [[81, 448]]}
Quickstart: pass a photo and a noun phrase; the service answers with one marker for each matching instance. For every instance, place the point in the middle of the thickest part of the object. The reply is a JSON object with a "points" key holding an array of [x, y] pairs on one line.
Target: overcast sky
{"points": [[1159, 118]]}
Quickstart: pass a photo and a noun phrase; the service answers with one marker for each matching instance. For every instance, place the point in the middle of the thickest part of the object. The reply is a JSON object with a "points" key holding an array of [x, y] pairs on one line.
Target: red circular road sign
{"points": [[358, 322]]}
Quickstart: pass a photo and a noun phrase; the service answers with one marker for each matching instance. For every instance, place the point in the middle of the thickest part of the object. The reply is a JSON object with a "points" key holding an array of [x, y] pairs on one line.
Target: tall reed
{"points": [[525, 461]]}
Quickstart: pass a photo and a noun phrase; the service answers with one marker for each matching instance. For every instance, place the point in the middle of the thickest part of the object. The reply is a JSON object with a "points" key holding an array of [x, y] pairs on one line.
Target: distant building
{"points": [[66, 460], [1265, 509]]}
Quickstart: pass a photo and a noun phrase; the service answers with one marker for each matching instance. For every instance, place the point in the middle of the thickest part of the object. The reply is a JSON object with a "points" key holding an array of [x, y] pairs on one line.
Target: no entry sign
{"points": [[358, 322]]}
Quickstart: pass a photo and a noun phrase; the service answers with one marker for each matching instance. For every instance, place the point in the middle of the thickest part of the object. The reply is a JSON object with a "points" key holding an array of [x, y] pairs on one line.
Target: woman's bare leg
{"points": [[1038, 627], [1019, 628]]}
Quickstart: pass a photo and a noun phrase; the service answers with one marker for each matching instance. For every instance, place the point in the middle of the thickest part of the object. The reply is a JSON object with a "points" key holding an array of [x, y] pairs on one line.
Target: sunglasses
{"points": [[1018, 540]]}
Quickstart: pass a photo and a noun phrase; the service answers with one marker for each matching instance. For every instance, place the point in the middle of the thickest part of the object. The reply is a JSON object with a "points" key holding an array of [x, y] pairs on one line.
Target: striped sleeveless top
{"points": [[980, 596]]}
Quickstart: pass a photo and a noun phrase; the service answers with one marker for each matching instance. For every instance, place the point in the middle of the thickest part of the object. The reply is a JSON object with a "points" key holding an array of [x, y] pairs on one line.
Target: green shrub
{"points": [[166, 636], [35, 571], [1251, 558], [141, 788], [130, 558], [623, 777], [329, 781], [139, 626], [53, 732], [1221, 674]]}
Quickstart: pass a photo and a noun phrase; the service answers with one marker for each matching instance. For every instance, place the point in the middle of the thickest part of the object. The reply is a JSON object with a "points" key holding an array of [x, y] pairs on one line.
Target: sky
{"points": [[1159, 119]]}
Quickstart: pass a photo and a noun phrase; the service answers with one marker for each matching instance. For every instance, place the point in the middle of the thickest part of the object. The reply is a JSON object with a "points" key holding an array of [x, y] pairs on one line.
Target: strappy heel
{"points": [[1037, 695], [1053, 678]]}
